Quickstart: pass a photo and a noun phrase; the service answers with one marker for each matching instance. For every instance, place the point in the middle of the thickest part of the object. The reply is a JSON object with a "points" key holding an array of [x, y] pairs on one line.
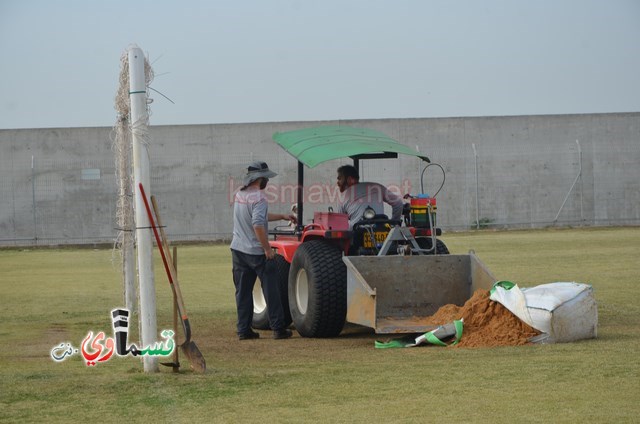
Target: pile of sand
{"points": [[486, 323]]}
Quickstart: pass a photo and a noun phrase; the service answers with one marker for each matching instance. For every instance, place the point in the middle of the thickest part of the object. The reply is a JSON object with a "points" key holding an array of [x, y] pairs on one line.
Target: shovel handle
{"points": [[176, 359], [168, 266]]}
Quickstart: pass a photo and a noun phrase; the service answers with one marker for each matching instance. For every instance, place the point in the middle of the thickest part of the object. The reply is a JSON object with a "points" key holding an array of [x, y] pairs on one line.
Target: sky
{"points": [[236, 61]]}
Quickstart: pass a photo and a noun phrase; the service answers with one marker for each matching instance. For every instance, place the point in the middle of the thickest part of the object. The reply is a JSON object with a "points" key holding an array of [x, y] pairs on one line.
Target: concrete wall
{"points": [[525, 168]]}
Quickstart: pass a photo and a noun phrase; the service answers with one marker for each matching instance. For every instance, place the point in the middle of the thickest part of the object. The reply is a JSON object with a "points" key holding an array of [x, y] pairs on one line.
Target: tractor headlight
{"points": [[369, 213]]}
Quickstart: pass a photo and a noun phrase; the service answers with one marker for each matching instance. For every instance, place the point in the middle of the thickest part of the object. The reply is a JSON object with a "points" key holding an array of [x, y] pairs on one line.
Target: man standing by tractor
{"points": [[251, 254], [357, 196]]}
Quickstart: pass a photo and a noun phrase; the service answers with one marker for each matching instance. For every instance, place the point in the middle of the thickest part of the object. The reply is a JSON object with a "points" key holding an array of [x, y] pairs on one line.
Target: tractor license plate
{"points": [[380, 238]]}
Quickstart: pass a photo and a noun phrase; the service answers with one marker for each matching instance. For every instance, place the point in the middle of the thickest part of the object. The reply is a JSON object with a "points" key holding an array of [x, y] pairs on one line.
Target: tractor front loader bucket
{"points": [[397, 294]]}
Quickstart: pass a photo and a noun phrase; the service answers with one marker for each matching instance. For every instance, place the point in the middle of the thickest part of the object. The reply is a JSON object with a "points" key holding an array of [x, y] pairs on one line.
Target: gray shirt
{"points": [[355, 199], [249, 209]]}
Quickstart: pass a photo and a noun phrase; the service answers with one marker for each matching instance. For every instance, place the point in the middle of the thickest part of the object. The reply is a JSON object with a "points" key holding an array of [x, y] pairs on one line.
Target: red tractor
{"points": [[311, 271]]}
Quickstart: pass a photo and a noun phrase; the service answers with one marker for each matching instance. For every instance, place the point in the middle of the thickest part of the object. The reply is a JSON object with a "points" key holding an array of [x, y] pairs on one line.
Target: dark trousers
{"points": [[245, 270]]}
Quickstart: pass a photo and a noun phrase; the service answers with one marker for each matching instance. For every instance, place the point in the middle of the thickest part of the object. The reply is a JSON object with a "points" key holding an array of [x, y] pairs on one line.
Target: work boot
{"points": [[282, 334], [249, 335]]}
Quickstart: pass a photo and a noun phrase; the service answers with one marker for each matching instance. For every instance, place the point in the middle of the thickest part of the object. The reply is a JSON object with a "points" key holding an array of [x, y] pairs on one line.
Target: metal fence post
{"points": [[33, 196], [475, 161], [578, 177]]}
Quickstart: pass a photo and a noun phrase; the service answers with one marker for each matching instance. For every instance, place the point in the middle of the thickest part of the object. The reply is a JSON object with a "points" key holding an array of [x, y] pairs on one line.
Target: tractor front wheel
{"points": [[427, 243], [318, 289], [260, 314]]}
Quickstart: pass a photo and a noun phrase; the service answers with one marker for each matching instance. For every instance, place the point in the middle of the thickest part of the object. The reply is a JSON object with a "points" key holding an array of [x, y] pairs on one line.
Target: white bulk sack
{"points": [[563, 311]]}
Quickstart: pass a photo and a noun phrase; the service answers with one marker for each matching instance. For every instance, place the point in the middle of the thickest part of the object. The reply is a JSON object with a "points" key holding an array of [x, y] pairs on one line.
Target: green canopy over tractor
{"points": [[312, 146]]}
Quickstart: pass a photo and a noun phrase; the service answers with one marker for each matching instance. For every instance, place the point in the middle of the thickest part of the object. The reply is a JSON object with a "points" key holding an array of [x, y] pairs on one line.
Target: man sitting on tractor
{"points": [[356, 197]]}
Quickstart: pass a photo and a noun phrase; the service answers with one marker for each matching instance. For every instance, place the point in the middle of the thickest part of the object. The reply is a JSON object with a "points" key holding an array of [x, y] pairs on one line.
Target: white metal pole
{"points": [[139, 117]]}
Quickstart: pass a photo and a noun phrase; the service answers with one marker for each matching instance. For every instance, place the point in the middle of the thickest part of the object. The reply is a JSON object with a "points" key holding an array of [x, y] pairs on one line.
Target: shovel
{"points": [[175, 365], [189, 347]]}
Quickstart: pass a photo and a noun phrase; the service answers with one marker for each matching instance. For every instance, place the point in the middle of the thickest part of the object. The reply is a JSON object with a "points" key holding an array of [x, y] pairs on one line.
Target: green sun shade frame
{"points": [[312, 146]]}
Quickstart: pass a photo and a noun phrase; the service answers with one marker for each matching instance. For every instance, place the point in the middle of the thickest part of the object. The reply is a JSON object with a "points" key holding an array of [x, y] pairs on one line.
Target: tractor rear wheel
{"points": [[426, 243], [318, 289], [260, 314]]}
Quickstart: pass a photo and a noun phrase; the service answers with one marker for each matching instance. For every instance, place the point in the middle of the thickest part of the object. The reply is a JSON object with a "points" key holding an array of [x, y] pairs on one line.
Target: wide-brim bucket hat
{"points": [[257, 170]]}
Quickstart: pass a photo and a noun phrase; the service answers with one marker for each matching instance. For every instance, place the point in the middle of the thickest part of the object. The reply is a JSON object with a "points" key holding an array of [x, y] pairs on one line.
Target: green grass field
{"points": [[52, 296]]}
